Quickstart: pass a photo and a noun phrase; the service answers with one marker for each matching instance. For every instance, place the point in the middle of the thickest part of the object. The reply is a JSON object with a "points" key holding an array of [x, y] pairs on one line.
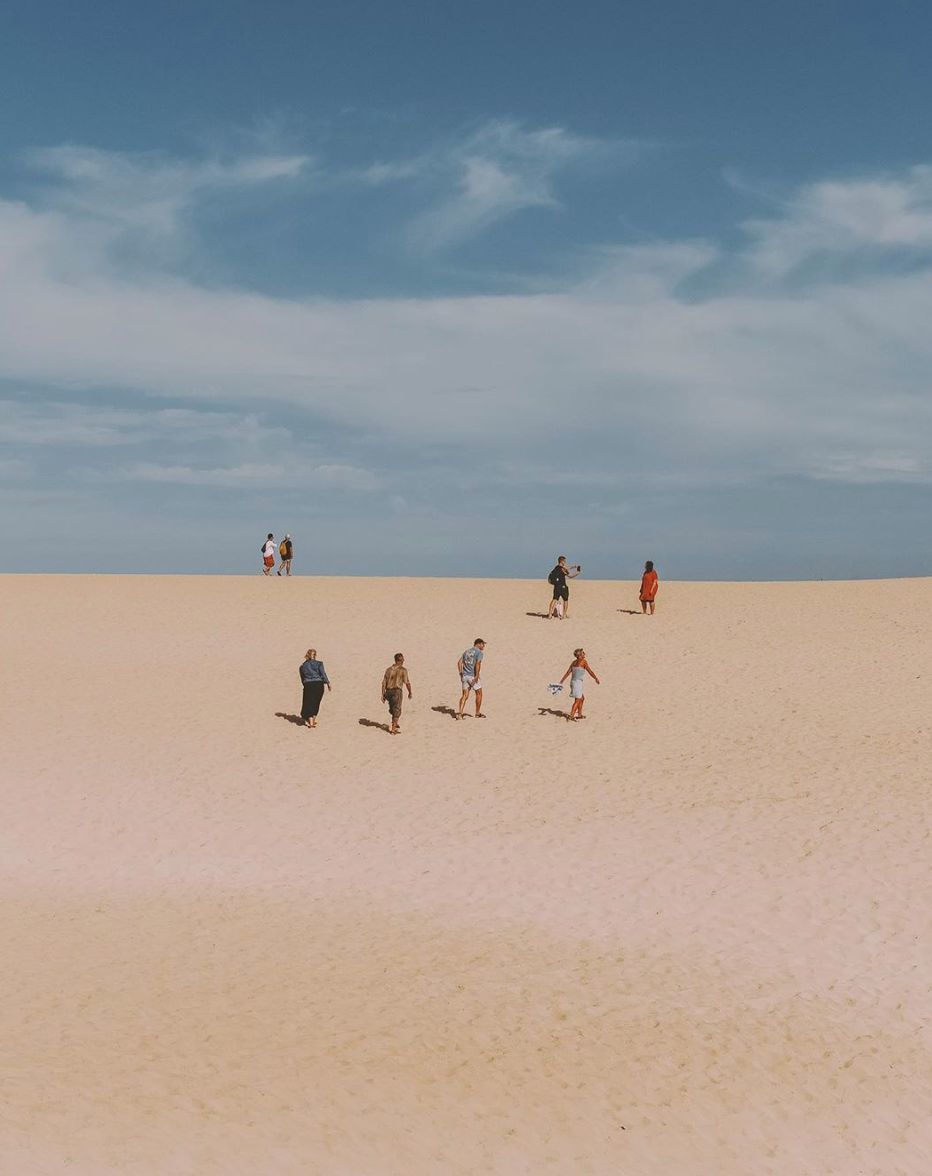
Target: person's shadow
{"points": [[543, 616], [549, 710], [296, 719], [444, 710], [372, 723], [632, 612]]}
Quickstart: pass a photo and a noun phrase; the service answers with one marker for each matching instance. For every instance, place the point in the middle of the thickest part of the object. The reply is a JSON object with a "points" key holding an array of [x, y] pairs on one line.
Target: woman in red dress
{"points": [[649, 584]]}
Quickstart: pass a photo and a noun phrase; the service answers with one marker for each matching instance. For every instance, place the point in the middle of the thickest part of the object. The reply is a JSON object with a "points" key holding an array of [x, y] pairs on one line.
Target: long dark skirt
{"points": [[310, 705]]}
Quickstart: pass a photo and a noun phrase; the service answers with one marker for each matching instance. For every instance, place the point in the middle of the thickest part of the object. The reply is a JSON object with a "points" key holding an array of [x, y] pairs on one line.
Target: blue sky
{"points": [[444, 289]]}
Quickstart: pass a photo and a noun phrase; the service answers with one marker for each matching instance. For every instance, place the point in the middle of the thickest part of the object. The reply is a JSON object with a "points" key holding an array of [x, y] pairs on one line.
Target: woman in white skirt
{"points": [[578, 668]]}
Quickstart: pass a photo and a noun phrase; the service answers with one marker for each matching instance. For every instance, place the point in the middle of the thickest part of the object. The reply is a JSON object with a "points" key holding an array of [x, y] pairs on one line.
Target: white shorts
{"points": [[469, 684]]}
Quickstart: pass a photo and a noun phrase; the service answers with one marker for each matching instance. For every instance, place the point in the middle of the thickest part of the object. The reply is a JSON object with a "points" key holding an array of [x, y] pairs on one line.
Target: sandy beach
{"points": [[690, 935]]}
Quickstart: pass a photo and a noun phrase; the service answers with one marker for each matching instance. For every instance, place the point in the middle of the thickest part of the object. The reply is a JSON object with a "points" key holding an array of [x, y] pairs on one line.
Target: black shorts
{"points": [[561, 593]]}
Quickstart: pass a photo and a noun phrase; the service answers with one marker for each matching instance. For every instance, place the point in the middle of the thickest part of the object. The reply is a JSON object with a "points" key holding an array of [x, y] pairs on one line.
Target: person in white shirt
{"points": [[268, 555]]}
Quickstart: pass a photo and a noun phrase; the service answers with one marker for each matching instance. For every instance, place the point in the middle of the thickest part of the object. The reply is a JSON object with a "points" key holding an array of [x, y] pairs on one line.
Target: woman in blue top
{"points": [[314, 678], [577, 671]]}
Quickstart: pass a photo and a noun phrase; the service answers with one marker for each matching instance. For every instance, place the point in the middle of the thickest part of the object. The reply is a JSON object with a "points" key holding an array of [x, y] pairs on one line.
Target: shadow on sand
{"points": [[632, 612], [444, 710], [543, 616], [372, 723], [296, 719], [549, 710]]}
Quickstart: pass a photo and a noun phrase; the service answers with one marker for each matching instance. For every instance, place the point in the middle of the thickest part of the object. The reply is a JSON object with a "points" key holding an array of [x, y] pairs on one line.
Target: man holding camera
{"points": [[560, 604]]}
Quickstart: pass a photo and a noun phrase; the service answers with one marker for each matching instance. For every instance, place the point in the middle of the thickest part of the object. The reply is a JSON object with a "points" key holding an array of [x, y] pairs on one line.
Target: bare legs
{"points": [[463, 700]]}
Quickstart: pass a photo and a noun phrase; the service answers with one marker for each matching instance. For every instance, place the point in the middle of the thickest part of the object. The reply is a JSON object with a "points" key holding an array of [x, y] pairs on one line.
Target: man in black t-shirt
{"points": [[560, 604]]}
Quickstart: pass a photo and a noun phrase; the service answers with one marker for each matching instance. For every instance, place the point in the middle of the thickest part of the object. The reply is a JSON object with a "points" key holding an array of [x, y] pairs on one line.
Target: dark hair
{"points": [[399, 657], [271, 536], [561, 558], [479, 641], [649, 566]]}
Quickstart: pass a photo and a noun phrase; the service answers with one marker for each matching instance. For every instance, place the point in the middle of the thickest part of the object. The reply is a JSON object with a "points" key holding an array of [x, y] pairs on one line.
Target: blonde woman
{"points": [[578, 668]]}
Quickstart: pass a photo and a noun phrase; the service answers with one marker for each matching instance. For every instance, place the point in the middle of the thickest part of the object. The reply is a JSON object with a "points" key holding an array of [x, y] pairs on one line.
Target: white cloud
{"points": [[825, 378], [843, 218], [147, 189], [58, 423], [377, 174], [255, 474], [869, 467], [177, 444], [498, 171], [13, 469]]}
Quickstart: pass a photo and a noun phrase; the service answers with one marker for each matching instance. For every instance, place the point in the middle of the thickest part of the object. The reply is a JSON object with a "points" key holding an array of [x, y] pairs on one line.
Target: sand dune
{"points": [[690, 935]]}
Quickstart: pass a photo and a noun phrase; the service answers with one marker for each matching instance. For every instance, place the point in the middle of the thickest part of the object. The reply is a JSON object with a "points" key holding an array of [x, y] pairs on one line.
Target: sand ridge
{"points": [[688, 934]]}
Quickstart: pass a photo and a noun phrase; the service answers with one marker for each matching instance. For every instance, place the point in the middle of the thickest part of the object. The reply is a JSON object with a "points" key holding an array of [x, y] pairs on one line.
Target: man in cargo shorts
{"points": [[394, 681]]}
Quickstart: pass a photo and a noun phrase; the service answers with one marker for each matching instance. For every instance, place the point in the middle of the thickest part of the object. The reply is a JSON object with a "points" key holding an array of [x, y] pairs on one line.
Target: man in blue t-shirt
{"points": [[469, 668]]}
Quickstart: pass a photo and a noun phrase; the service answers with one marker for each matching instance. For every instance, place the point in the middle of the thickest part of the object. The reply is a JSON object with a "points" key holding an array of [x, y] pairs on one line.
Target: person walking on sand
{"points": [[649, 586], [394, 681], [286, 551], [469, 668], [560, 604], [314, 679], [268, 555], [578, 668]]}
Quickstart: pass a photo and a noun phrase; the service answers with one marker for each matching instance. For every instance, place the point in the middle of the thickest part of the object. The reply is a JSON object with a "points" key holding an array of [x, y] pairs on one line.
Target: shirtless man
{"points": [[394, 681]]}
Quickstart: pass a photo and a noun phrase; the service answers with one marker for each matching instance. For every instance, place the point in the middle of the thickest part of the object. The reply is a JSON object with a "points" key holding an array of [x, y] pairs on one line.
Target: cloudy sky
{"points": [[448, 288]]}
